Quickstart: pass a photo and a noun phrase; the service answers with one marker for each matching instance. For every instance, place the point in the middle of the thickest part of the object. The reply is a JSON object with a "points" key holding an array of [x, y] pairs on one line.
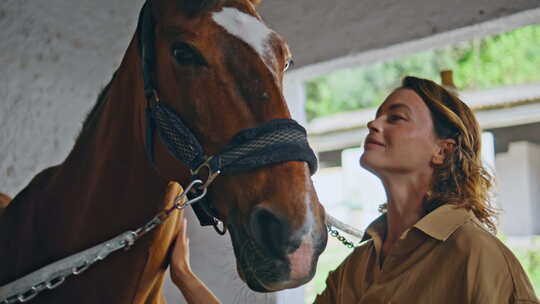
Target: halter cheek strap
{"points": [[275, 141]]}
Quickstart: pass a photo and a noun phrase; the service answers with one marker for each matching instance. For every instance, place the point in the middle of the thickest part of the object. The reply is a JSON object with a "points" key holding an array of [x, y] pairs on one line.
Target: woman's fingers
{"points": [[171, 193], [183, 227], [180, 257]]}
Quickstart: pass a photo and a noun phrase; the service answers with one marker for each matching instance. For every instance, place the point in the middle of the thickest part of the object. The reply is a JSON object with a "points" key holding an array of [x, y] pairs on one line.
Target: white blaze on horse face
{"points": [[248, 29], [301, 260]]}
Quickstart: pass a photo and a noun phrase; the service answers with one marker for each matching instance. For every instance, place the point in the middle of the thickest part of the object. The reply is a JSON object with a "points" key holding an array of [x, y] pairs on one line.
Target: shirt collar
{"points": [[443, 221], [376, 229], [438, 224]]}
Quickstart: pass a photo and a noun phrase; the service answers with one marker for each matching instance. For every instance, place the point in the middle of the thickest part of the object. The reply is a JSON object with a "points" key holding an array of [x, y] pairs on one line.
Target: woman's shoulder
{"points": [[473, 236], [474, 240], [490, 257]]}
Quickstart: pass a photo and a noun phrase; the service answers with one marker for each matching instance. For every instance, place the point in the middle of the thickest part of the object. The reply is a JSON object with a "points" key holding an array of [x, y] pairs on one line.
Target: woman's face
{"points": [[401, 138]]}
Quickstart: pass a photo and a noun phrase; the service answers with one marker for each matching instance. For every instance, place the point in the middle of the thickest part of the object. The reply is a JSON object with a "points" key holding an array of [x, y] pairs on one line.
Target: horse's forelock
{"points": [[193, 7]]}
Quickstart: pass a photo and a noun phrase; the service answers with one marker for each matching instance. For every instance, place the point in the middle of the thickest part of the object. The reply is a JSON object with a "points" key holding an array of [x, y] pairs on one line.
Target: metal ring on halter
{"points": [[193, 201], [155, 94], [179, 198], [219, 231], [211, 175], [188, 188]]}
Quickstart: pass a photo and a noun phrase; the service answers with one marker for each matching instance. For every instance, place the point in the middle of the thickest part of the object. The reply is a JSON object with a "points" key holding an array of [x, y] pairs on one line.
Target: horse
{"points": [[220, 68]]}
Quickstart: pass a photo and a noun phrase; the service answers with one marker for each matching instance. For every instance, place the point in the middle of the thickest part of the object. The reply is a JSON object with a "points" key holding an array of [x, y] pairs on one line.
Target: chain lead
{"points": [[333, 232], [179, 203]]}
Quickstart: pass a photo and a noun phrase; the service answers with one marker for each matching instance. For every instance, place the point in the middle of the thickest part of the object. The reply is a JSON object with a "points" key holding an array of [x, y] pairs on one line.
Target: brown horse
{"points": [[220, 68]]}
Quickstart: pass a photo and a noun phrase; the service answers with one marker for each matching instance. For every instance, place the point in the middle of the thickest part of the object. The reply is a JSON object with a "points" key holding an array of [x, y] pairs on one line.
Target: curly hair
{"points": [[462, 179]]}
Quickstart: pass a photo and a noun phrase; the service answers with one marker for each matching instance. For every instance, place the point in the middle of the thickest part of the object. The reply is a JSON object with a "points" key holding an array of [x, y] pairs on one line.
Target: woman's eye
{"points": [[394, 118], [184, 54], [289, 64]]}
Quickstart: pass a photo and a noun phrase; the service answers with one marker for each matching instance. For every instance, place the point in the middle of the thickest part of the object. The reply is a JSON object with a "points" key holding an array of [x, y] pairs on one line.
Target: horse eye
{"points": [[289, 64], [187, 55]]}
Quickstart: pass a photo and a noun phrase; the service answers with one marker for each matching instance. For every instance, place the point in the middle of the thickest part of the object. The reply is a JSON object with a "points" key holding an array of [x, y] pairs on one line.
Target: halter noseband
{"points": [[272, 142]]}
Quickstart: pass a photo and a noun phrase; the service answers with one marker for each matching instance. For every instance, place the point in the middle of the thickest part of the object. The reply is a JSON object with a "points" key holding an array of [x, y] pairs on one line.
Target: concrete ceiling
{"points": [[319, 31]]}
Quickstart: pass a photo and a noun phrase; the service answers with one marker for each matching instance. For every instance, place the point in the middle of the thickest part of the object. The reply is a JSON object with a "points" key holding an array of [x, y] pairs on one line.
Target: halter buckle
{"points": [[155, 95], [211, 174]]}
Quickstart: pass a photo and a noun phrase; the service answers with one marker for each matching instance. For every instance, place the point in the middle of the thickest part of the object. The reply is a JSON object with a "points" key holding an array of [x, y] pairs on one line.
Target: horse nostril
{"points": [[270, 231]]}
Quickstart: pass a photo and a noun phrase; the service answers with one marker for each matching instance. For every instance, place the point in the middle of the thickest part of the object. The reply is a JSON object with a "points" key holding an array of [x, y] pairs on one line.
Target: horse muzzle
{"points": [[272, 256]]}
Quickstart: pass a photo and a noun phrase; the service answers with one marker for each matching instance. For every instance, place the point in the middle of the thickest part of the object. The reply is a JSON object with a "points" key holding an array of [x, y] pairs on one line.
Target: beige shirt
{"points": [[446, 257]]}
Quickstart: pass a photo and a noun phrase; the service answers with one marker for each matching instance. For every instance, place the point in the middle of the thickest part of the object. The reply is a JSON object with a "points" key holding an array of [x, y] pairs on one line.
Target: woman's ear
{"points": [[444, 148]]}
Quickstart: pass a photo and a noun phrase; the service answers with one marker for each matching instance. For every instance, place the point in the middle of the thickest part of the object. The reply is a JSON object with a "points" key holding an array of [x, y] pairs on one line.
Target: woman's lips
{"points": [[371, 141]]}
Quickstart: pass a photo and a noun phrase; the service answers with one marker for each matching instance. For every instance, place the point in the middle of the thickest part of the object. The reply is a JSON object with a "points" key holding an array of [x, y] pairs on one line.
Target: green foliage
{"points": [[329, 260], [529, 258], [504, 59]]}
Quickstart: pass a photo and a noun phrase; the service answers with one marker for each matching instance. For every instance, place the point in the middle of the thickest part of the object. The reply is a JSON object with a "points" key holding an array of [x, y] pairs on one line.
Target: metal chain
{"points": [[333, 232], [53, 283], [124, 241]]}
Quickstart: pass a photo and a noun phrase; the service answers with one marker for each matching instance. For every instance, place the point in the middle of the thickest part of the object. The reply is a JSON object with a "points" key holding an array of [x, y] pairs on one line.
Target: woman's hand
{"points": [[180, 266], [190, 285]]}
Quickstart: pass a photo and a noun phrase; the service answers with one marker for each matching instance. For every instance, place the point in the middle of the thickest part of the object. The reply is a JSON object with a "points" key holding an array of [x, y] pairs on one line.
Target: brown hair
{"points": [[461, 180]]}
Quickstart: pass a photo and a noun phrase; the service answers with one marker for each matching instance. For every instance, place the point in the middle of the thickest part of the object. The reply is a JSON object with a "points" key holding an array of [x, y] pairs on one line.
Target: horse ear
{"points": [[255, 2], [193, 7]]}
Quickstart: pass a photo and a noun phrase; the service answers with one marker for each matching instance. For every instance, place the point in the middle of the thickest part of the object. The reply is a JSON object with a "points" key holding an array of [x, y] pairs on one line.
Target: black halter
{"points": [[272, 142]]}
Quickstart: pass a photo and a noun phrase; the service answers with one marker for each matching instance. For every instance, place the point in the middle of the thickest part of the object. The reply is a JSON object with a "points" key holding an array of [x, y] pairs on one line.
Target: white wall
{"points": [[55, 55], [518, 178]]}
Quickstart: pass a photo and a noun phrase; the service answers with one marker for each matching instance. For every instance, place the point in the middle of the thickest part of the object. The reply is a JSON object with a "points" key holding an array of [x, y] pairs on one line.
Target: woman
{"points": [[435, 242]]}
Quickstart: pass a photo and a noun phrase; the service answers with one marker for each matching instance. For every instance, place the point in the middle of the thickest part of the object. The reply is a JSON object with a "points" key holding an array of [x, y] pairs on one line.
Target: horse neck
{"points": [[108, 166], [105, 186]]}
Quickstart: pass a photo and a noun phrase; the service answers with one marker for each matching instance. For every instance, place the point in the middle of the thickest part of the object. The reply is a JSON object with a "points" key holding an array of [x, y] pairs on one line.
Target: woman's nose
{"points": [[373, 126]]}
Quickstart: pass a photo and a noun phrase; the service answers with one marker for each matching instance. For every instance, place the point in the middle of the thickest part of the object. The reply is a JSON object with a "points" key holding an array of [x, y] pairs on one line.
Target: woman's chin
{"points": [[368, 163], [364, 162]]}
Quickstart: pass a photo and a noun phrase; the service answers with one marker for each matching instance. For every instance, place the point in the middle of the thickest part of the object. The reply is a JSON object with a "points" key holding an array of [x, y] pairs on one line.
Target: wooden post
{"points": [[447, 79]]}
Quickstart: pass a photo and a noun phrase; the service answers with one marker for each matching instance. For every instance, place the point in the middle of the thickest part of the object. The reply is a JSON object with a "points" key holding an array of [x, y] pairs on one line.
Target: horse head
{"points": [[221, 69]]}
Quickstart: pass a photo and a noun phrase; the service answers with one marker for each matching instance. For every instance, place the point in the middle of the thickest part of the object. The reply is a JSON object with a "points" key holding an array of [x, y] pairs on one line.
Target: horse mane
{"points": [[193, 7], [93, 114]]}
